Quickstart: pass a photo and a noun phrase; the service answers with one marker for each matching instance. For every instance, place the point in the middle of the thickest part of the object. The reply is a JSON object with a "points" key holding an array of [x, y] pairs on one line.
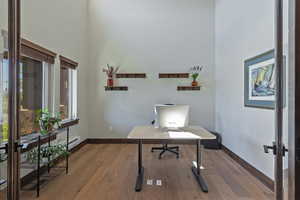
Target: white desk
{"points": [[196, 133]]}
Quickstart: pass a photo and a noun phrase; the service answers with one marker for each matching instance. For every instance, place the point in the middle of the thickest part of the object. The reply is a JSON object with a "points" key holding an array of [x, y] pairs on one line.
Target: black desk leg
{"points": [[140, 177], [197, 171]]}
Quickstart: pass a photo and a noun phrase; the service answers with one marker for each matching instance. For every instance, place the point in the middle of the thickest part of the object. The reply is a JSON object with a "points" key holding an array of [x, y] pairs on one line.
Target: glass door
{"points": [[279, 146], [9, 135], [293, 184], [285, 79], [3, 98]]}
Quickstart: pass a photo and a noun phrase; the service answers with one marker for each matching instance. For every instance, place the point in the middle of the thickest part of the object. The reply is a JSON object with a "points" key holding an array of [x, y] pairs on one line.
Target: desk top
{"points": [[188, 133]]}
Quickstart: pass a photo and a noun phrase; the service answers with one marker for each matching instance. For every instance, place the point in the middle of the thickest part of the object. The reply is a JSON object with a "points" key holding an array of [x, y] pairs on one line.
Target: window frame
{"points": [[71, 66], [46, 57]]}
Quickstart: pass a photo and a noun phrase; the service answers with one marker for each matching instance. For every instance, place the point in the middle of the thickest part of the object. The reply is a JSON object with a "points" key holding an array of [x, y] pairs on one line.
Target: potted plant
{"points": [[47, 121], [195, 71], [47, 152], [110, 72]]}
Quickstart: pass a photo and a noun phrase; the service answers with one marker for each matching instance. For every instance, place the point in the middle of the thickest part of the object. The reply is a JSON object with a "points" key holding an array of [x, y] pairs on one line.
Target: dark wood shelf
{"points": [[173, 75], [116, 88], [131, 75], [70, 122], [188, 88]]}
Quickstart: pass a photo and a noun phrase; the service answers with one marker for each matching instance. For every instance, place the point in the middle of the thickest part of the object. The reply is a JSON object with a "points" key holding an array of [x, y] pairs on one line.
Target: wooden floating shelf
{"points": [[131, 75], [116, 88], [174, 75], [188, 88]]}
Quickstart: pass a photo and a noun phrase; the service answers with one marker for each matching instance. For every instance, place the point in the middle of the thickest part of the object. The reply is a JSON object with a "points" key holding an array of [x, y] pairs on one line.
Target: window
{"points": [[35, 86], [34, 93], [68, 88], [3, 98]]}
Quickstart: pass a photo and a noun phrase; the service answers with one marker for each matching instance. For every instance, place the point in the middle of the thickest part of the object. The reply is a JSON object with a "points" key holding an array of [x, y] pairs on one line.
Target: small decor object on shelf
{"points": [[110, 72], [47, 121], [195, 74]]}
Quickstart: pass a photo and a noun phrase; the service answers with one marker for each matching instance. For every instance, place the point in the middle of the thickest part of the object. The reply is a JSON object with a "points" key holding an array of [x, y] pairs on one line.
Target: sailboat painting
{"points": [[260, 80]]}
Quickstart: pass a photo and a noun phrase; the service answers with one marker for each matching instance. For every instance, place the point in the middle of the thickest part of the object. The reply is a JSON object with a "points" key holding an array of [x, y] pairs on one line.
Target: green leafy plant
{"points": [[195, 76], [195, 71], [47, 121], [51, 152]]}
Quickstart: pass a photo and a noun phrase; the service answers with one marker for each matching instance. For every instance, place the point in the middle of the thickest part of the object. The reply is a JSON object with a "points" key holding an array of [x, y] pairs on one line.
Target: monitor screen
{"points": [[172, 116]]}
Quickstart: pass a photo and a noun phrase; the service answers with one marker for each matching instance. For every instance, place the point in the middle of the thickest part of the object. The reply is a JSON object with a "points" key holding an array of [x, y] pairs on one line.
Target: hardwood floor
{"points": [[108, 172]]}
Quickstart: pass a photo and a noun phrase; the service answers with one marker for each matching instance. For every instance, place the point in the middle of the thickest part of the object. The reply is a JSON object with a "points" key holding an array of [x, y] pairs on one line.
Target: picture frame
{"points": [[260, 81]]}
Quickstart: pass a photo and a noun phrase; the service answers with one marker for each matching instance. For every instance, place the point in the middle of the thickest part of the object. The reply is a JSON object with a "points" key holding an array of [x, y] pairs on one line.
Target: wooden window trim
{"points": [[67, 63], [37, 52], [34, 51]]}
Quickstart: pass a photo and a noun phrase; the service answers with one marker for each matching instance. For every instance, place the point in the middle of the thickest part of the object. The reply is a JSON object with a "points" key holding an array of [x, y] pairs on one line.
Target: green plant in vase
{"points": [[195, 72], [47, 121], [110, 72]]}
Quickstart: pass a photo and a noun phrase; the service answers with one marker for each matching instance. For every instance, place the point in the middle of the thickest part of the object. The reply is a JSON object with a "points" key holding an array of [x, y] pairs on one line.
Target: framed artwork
{"points": [[260, 81]]}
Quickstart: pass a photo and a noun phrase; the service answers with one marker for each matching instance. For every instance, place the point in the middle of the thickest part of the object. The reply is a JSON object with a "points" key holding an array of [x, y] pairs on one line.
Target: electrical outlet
{"points": [[149, 182], [110, 128], [158, 183]]}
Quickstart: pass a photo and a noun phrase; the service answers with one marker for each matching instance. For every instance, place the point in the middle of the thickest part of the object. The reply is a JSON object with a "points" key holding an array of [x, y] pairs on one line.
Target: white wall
{"points": [[151, 37], [244, 29], [60, 26]]}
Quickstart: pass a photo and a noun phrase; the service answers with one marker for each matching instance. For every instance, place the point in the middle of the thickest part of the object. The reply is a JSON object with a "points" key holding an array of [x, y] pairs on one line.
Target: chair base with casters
{"points": [[166, 148]]}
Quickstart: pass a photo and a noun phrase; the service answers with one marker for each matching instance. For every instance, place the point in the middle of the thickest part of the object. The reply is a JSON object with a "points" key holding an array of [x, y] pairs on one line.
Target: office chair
{"points": [[165, 148]]}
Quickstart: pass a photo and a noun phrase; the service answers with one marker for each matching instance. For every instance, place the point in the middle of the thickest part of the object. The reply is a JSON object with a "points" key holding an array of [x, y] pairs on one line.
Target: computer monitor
{"points": [[172, 116]]}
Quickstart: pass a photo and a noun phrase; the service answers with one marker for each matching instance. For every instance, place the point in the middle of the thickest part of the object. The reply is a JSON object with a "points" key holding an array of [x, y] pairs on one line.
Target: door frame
{"points": [[278, 147], [13, 161], [294, 100]]}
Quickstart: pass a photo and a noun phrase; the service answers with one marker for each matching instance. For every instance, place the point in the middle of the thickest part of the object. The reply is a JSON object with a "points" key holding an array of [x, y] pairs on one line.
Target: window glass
{"points": [[33, 94], [64, 93], [68, 93], [4, 99]]}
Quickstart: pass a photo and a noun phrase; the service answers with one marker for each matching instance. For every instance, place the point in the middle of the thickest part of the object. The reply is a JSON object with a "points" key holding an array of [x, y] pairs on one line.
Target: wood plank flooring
{"points": [[108, 172]]}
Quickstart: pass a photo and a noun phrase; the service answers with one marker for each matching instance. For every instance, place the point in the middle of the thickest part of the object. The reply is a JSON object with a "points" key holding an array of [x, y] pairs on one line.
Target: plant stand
{"points": [[41, 165]]}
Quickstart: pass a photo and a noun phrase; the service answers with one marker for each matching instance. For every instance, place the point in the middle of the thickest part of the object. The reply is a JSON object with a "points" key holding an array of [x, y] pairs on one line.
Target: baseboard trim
{"points": [[79, 146], [252, 170], [135, 141], [29, 178]]}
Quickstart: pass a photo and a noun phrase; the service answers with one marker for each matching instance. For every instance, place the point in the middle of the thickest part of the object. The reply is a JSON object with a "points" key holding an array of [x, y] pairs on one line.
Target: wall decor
{"points": [[116, 88], [131, 75], [173, 75], [195, 71], [110, 72], [260, 81], [188, 88]]}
